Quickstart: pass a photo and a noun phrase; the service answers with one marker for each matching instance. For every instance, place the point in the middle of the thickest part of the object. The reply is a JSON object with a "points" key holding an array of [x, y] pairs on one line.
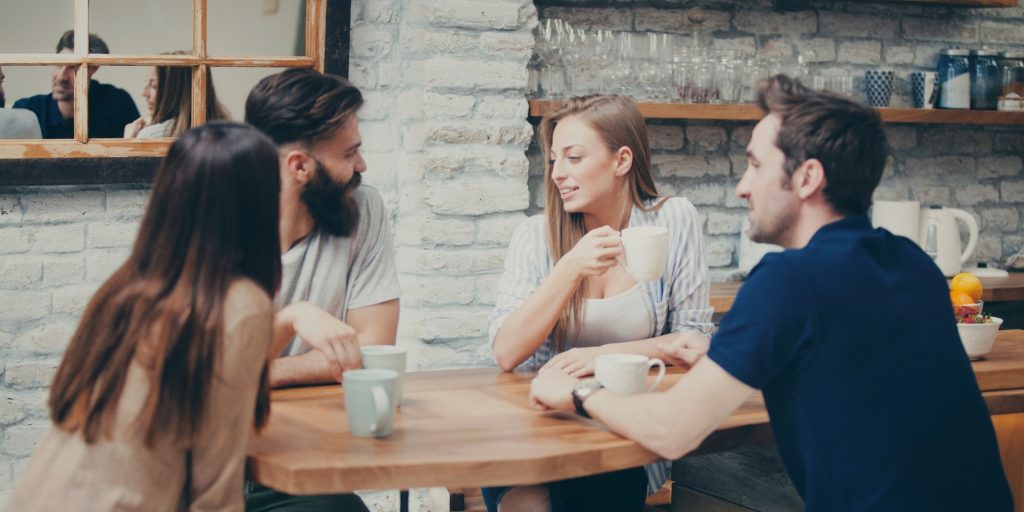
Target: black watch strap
{"points": [[580, 394], [577, 402]]}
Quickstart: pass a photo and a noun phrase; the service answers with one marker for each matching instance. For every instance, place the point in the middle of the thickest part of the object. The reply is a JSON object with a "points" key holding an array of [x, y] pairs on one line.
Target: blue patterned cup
{"points": [[923, 85], [878, 86]]}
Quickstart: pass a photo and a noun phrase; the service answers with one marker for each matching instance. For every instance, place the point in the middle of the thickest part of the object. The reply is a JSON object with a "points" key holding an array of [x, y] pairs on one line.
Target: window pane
{"points": [[34, 26], [274, 28], [38, 114], [234, 84], [137, 27]]}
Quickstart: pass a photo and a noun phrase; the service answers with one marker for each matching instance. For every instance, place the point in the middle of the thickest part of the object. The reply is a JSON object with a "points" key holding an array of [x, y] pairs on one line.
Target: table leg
{"points": [[403, 500]]}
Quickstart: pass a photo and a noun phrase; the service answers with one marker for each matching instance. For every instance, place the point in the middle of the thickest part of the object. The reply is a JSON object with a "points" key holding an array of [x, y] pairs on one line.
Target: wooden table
{"points": [[471, 428], [995, 290]]}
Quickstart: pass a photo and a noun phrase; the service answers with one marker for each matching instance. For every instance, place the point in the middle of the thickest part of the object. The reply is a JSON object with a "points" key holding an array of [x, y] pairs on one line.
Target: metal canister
{"points": [[954, 72], [1011, 73], [985, 82]]}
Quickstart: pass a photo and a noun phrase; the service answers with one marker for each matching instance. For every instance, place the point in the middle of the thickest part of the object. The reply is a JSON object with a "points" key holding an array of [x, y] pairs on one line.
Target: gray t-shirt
{"points": [[341, 273]]}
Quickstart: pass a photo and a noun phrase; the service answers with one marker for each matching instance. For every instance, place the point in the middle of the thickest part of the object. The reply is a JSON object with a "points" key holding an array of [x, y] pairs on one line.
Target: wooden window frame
{"points": [[97, 161]]}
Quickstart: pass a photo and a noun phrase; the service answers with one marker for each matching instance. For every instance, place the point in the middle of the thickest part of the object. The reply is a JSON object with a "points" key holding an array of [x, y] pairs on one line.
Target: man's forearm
{"points": [[301, 370]]}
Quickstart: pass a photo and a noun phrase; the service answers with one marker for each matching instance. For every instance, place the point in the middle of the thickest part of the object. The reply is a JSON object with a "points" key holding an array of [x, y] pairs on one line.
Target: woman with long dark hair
{"points": [[166, 373]]}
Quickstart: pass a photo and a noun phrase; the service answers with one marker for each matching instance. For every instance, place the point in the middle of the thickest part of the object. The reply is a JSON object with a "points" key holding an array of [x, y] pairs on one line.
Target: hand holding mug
{"points": [[595, 253]]}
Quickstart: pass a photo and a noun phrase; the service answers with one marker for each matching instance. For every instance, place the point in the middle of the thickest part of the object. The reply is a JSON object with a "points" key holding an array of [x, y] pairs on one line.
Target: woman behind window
{"points": [[564, 299], [168, 94], [166, 373]]}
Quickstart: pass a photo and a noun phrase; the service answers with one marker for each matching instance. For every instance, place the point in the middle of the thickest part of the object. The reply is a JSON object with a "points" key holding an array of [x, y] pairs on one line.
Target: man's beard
{"points": [[332, 204], [69, 93]]}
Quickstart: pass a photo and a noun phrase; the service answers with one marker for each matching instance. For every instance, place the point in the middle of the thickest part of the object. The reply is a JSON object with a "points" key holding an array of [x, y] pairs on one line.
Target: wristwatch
{"points": [[581, 391]]}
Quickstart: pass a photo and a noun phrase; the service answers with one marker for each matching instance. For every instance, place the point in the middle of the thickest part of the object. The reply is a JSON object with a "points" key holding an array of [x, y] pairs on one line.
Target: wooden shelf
{"points": [[747, 112], [962, 3]]}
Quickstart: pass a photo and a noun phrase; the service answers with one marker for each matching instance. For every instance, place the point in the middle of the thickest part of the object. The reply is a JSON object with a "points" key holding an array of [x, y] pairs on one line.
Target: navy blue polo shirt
{"points": [[872, 399], [110, 109]]}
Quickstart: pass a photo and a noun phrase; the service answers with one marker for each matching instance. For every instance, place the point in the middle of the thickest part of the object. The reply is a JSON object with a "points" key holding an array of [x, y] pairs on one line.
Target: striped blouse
{"points": [[676, 302]]}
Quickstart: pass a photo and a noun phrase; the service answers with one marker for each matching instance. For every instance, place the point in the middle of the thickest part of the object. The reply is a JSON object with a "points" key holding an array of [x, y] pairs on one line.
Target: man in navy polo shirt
{"points": [[849, 334], [110, 108]]}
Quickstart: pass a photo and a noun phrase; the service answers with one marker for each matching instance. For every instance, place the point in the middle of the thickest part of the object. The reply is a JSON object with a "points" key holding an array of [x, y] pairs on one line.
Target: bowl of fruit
{"points": [[977, 330]]}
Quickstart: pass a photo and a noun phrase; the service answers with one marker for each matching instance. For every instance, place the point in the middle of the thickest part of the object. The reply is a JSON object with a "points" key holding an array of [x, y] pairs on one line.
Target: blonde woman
{"points": [[564, 299]]}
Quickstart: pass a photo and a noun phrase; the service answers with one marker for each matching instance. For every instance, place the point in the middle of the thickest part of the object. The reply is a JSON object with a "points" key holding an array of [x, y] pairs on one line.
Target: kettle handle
{"points": [[972, 227]]}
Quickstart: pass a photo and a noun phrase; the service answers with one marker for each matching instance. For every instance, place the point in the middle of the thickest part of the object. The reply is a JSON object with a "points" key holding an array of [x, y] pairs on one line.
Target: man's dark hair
{"points": [[848, 138], [96, 45], [301, 105]]}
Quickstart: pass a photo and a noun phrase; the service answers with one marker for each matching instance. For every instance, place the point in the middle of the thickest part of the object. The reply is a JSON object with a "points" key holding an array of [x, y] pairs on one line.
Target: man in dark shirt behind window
{"points": [[110, 108], [849, 333]]}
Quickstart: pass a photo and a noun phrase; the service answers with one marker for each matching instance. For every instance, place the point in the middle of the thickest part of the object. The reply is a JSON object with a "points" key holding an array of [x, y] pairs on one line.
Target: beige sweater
{"points": [[121, 474]]}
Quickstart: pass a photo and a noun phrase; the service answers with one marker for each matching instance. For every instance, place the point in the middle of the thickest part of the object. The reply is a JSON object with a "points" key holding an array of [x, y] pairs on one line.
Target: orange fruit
{"points": [[967, 283], [960, 298]]}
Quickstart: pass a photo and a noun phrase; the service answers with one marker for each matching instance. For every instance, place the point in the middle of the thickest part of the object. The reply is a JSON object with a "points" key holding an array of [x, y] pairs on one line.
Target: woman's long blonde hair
{"points": [[619, 123]]}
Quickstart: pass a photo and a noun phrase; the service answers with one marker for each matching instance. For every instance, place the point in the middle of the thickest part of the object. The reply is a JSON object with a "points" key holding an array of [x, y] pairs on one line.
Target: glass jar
{"points": [[954, 72], [1011, 73], [985, 81]]}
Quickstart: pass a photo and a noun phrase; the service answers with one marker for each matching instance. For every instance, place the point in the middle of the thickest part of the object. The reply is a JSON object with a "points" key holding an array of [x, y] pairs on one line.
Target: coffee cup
{"points": [[644, 251], [878, 86], [627, 373], [924, 89], [386, 357], [370, 401]]}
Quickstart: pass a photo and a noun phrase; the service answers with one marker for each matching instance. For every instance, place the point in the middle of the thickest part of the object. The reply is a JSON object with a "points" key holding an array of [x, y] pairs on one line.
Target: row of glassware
{"points": [[652, 66]]}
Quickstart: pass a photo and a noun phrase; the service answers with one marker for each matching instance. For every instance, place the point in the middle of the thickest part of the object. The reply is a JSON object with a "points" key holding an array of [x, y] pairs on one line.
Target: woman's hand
{"points": [[595, 253], [132, 129], [577, 362], [685, 350]]}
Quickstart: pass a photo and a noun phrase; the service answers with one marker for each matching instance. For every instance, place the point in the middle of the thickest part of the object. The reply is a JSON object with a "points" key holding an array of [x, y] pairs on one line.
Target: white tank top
{"points": [[623, 317]]}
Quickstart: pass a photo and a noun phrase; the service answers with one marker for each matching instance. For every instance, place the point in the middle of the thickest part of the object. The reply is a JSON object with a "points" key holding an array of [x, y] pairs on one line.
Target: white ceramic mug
{"points": [[370, 401], [627, 373], [644, 251], [386, 357]]}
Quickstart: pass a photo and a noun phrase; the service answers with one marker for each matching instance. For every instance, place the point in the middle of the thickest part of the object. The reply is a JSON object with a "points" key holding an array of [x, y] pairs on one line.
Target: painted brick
{"points": [[593, 17], [436, 291], [19, 272], [21, 440], [371, 41], [860, 52], [471, 74], [514, 45], [473, 14], [363, 73], [706, 138], [927, 55], [688, 166], [447, 105], [50, 338], [20, 305], [703, 194], [60, 238], [764, 23], [71, 300], [999, 166], [958, 141], [662, 20], [1000, 32], [11, 210], [477, 196], [128, 203], [106, 235], [942, 166], [933, 195], [378, 106], [99, 265], [946, 30], [1012, 191], [989, 248], [502, 107], [718, 251], [971, 195], [72, 206], [440, 324], [435, 41], [817, 49], [901, 137], [379, 11], [417, 229], [30, 375], [665, 137], [449, 163], [486, 289], [775, 48], [743, 45], [841, 24], [497, 230], [1012, 141], [740, 137], [724, 223], [14, 240], [12, 410], [889, 191], [898, 54], [1006, 220]]}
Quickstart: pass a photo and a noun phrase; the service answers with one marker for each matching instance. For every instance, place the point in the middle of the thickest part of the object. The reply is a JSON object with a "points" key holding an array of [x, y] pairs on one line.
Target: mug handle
{"points": [[380, 407], [651, 363]]}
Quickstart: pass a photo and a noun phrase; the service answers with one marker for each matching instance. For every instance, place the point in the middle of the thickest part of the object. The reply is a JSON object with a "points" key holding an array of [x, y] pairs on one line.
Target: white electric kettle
{"points": [[933, 228], [940, 237]]}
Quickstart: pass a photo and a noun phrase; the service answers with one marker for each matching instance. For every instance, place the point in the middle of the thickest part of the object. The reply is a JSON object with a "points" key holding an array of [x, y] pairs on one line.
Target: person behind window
{"points": [[167, 371], [16, 123], [110, 108], [168, 93], [564, 298]]}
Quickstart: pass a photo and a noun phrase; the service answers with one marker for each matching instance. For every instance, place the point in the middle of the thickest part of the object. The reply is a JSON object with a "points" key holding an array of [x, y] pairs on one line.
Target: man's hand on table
{"points": [[552, 390], [331, 337], [685, 350]]}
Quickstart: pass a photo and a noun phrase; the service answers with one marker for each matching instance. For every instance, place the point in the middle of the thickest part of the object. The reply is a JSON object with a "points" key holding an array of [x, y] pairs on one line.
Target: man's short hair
{"points": [[96, 44], [847, 137], [301, 105]]}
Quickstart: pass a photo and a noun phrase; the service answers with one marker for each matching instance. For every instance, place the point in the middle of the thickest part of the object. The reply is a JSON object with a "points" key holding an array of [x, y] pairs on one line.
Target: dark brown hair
{"points": [[212, 217], [174, 98], [848, 138], [301, 105], [96, 44], [619, 124]]}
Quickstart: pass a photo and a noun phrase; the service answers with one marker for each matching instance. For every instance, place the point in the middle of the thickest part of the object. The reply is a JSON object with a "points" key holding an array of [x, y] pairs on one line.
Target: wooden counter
{"points": [[471, 428], [996, 290]]}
